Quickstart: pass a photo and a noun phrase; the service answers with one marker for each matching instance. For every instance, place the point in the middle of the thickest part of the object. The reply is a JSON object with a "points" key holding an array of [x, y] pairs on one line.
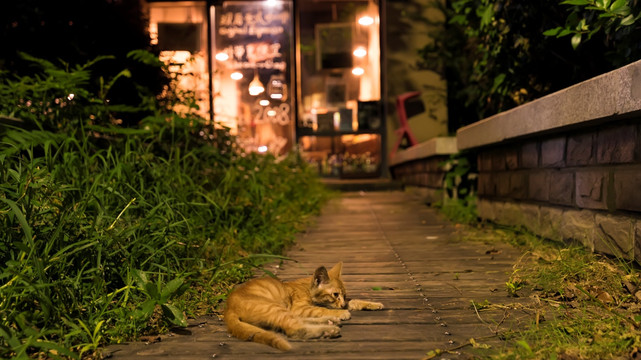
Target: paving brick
{"points": [[531, 216], [486, 186], [539, 185], [484, 161], [518, 185], [423, 179], [486, 209], [591, 188], [498, 160], [579, 225], [512, 215], [511, 158], [435, 180], [551, 222], [530, 155], [580, 150], [561, 187], [435, 164], [418, 166], [617, 145], [615, 235], [502, 184], [553, 152], [627, 188]]}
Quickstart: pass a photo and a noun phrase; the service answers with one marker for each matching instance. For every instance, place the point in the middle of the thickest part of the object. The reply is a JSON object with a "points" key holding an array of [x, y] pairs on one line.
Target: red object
{"points": [[404, 130]]}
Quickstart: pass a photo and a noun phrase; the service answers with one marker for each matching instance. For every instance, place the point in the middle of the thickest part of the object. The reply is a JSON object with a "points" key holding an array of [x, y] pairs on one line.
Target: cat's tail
{"points": [[249, 332]]}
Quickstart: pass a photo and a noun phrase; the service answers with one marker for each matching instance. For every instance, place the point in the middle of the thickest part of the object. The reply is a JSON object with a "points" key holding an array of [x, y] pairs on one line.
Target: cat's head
{"points": [[327, 288]]}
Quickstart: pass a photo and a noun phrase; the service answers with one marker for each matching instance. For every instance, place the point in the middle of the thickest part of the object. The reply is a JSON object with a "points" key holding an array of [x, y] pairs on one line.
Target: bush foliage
{"points": [[103, 228], [498, 54]]}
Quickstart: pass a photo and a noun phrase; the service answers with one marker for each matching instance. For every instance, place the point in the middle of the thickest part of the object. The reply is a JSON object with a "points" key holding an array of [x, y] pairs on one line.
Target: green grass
{"points": [[584, 305], [108, 232], [589, 304]]}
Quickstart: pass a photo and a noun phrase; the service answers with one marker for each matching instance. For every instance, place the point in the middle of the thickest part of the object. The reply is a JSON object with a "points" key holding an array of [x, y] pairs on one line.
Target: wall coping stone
{"points": [[432, 147], [607, 97]]}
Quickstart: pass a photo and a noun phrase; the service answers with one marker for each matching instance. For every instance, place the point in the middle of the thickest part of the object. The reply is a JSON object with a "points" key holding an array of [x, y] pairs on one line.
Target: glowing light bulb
{"points": [[360, 52], [263, 102], [221, 56], [236, 75], [366, 20], [262, 149], [256, 87], [358, 71]]}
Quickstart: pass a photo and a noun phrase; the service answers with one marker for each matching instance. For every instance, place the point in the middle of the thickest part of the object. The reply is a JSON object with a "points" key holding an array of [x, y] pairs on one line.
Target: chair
{"points": [[407, 105]]}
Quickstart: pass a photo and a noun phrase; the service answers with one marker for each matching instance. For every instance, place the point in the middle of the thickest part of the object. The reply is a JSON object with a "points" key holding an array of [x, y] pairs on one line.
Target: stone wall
{"points": [[582, 184], [567, 175], [421, 166], [566, 167]]}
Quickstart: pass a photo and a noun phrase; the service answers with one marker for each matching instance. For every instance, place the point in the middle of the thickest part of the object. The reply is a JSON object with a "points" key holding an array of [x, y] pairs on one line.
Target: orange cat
{"points": [[308, 308]]}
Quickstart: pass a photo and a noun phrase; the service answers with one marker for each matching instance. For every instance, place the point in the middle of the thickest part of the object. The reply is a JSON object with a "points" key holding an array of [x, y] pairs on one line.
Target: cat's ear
{"points": [[335, 272], [320, 276]]}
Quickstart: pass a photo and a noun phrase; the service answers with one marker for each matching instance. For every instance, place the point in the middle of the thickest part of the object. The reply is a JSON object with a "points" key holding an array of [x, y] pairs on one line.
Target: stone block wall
{"points": [[427, 174], [597, 168], [583, 184], [422, 166], [567, 166]]}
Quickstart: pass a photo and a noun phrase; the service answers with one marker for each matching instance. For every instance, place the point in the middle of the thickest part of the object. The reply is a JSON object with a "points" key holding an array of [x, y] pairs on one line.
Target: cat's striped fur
{"points": [[307, 308]]}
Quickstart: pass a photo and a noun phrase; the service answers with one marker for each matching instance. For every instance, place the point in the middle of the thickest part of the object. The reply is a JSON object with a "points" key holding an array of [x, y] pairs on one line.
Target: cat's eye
{"points": [[336, 295]]}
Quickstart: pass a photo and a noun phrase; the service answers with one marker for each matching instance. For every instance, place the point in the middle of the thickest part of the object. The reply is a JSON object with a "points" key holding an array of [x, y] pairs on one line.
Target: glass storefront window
{"points": [[346, 156], [274, 85], [179, 29], [339, 110], [253, 52]]}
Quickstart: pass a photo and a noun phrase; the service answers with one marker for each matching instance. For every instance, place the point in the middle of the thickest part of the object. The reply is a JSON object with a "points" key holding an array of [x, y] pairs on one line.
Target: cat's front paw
{"points": [[374, 306], [364, 305], [344, 315]]}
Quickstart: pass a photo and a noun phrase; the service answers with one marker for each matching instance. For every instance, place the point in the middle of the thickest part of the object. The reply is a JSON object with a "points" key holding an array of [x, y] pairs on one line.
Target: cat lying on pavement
{"points": [[308, 308]]}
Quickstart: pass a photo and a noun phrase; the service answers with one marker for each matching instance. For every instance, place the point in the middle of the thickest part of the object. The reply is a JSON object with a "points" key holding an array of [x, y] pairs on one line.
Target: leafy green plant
{"points": [[158, 295], [513, 286], [498, 54], [103, 226], [589, 17], [459, 197]]}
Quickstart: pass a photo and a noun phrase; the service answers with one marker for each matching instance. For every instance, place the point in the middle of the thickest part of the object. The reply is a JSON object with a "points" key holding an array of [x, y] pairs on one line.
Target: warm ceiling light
{"points": [[256, 87], [366, 20], [360, 52], [236, 75], [358, 71], [221, 56], [263, 102]]}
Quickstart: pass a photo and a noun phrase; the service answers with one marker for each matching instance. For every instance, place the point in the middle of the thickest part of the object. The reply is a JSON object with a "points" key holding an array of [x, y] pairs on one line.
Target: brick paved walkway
{"points": [[395, 250]]}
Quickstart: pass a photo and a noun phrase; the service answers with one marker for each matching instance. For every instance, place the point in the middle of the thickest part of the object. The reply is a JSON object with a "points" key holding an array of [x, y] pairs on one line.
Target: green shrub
{"points": [[499, 54], [103, 228]]}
